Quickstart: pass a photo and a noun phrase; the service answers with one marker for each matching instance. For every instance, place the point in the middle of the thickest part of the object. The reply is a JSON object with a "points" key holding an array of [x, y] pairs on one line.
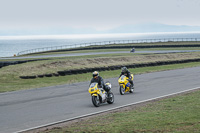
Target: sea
{"points": [[12, 45]]}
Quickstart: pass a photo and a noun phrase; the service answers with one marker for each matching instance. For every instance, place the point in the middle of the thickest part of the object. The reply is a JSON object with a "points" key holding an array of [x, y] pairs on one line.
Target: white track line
{"points": [[78, 117]]}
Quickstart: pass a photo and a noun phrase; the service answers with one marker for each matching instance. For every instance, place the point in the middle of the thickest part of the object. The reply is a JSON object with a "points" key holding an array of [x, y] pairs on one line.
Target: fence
{"points": [[37, 50]]}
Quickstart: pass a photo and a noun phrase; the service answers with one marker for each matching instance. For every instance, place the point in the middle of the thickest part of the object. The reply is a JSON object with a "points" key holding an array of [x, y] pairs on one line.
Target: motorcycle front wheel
{"points": [[95, 101], [121, 90], [110, 98]]}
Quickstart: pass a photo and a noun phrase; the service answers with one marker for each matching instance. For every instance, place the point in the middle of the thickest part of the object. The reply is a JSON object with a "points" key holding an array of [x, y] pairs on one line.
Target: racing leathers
{"points": [[100, 82], [128, 74]]}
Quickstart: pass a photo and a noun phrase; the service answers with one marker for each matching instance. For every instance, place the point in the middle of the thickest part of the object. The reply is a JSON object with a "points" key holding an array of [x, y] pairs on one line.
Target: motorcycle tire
{"points": [[121, 90], [110, 98], [95, 101]]}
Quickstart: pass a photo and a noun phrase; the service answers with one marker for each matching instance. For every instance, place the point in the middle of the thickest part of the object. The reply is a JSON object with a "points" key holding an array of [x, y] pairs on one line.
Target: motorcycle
{"points": [[99, 95], [125, 85]]}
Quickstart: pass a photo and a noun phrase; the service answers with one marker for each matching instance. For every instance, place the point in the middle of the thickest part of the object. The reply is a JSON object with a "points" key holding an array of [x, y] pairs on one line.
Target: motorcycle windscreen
{"points": [[122, 77], [93, 85]]}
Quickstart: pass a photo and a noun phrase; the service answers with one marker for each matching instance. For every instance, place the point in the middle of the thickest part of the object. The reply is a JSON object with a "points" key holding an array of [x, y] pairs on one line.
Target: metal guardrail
{"points": [[37, 50]]}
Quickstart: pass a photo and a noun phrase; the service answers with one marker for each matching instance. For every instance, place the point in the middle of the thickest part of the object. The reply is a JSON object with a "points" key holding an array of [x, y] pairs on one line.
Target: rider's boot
{"points": [[132, 86]]}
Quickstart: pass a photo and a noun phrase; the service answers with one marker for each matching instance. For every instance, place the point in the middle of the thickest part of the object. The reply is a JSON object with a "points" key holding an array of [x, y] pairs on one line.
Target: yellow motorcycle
{"points": [[99, 95], [125, 85]]}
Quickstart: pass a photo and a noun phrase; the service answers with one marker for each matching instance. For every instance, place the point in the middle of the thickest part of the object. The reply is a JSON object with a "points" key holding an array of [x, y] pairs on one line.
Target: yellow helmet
{"points": [[95, 73]]}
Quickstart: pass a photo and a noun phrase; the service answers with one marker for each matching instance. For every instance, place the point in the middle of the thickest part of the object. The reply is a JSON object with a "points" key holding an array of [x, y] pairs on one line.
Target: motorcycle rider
{"points": [[127, 73], [98, 79]]}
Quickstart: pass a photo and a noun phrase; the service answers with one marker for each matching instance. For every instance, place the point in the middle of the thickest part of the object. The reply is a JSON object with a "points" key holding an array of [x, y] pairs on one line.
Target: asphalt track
{"points": [[21, 110], [99, 53]]}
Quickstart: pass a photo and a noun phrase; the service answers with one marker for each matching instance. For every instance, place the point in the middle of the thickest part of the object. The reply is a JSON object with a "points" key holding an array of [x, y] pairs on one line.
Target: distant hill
{"points": [[138, 28], [153, 27]]}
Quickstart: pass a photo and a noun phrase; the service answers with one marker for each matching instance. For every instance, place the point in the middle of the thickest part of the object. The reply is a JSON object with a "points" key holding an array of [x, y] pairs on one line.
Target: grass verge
{"points": [[12, 82], [177, 114]]}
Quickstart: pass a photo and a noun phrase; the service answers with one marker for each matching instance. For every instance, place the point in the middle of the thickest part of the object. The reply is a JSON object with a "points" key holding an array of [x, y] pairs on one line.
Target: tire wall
{"points": [[110, 68], [7, 63]]}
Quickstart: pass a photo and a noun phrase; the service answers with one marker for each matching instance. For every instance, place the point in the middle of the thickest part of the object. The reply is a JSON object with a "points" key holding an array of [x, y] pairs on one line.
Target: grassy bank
{"points": [[11, 81], [66, 63], [178, 114]]}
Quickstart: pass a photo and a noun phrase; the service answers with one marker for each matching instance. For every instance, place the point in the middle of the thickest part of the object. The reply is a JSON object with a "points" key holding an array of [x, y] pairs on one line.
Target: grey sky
{"points": [[97, 14]]}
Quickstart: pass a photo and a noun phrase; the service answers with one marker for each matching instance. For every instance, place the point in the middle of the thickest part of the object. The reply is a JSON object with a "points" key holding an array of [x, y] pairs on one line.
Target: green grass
{"points": [[66, 63], [178, 114], [12, 82], [155, 49]]}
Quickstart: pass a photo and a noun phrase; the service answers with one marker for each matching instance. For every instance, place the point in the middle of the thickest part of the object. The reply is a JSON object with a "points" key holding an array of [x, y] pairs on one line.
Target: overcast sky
{"points": [[97, 14]]}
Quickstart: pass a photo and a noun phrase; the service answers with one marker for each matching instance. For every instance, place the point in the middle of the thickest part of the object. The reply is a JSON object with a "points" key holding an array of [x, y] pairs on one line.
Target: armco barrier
{"points": [[105, 43], [111, 68], [118, 47]]}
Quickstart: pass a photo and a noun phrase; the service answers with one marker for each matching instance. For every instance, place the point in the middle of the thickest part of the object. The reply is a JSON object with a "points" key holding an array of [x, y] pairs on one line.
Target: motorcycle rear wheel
{"points": [[121, 90], [95, 101]]}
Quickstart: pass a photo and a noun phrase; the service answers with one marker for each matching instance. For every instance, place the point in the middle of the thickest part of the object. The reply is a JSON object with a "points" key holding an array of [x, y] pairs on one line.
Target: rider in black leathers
{"points": [[127, 73], [98, 79]]}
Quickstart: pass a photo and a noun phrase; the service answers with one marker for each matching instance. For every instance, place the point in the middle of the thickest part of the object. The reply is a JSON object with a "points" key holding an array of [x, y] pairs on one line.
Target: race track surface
{"points": [[98, 53], [26, 109]]}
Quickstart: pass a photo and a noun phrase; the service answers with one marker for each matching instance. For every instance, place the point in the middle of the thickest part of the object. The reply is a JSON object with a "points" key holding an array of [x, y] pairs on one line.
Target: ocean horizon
{"points": [[10, 45]]}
